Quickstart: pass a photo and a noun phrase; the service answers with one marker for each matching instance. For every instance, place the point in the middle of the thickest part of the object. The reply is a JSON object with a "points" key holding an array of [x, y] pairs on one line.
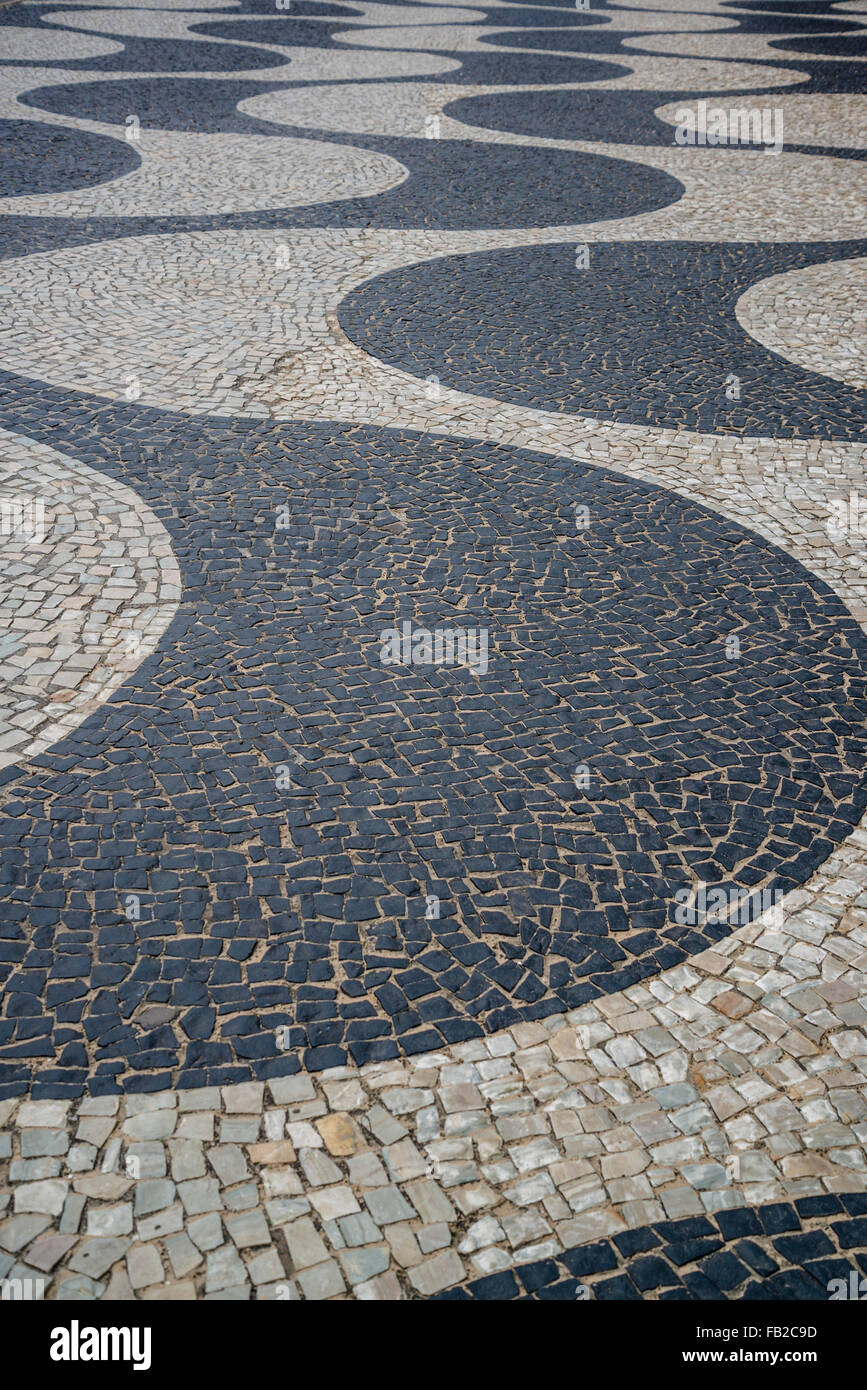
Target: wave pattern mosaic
{"points": [[433, 672]]}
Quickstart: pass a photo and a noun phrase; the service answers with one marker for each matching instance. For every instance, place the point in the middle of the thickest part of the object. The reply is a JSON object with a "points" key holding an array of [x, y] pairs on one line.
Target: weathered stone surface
{"points": [[371, 910]]}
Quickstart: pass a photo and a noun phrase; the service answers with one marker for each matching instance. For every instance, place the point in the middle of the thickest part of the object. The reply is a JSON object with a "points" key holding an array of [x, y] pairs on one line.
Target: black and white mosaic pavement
{"points": [[43, 159], [780, 1251], [597, 343], [625, 117], [341, 337], [262, 905]]}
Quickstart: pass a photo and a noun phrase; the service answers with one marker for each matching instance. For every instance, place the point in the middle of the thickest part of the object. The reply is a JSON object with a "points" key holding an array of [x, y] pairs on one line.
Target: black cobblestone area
{"points": [[643, 333], [780, 1251], [452, 184], [38, 158], [619, 117], [304, 907]]}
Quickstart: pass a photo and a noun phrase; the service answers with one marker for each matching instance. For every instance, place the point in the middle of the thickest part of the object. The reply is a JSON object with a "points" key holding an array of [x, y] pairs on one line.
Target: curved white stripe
{"points": [[88, 585], [187, 174], [815, 317]]}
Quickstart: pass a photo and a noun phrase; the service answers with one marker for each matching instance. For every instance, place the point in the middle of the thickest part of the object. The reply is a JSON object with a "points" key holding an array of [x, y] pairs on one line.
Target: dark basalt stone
{"points": [[698, 1259], [37, 158], [304, 906], [645, 334]]}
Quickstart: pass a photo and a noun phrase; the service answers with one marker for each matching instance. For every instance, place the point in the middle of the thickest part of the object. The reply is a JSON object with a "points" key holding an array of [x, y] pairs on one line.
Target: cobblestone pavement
{"points": [[433, 861]]}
